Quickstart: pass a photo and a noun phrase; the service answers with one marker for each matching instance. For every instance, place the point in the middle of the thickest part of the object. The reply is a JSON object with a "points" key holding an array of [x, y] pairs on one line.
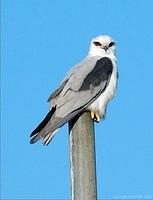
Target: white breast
{"points": [[99, 105]]}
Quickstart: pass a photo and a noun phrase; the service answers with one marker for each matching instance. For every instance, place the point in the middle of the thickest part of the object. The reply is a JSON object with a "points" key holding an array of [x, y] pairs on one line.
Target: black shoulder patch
{"points": [[100, 73]]}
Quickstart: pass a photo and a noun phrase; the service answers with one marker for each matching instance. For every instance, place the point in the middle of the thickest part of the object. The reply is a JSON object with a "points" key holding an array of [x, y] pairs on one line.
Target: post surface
{"points": [[82, 156]]}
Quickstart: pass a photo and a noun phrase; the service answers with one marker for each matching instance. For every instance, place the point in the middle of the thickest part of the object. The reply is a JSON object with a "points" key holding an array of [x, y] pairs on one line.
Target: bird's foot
{"points": [[92, 115], [97, 117]]}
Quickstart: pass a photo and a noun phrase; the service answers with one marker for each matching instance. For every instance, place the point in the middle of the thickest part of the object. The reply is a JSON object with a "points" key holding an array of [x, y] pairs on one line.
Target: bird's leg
{"points": [[92, 115], [97, 116]]}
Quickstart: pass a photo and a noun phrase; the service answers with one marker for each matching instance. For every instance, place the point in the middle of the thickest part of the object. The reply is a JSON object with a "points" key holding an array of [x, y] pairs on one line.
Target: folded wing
{"points": [[81, 87]]}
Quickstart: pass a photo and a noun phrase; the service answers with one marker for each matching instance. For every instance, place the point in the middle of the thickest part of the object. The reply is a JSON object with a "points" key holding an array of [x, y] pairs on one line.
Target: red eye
{"points": [[97, 43]]}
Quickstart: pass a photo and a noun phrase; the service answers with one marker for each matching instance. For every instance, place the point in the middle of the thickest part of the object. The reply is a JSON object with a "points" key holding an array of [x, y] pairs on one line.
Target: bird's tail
{"points": [[49, 137], [43, 130]]}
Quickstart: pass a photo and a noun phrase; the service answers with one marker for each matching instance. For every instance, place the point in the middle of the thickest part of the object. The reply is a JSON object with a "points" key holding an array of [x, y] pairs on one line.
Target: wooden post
{"points": [[82, 157]]}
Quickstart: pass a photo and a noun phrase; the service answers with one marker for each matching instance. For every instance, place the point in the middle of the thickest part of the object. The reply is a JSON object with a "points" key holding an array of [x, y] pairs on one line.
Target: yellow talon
{"points": [[97, 116], [92, 115]]}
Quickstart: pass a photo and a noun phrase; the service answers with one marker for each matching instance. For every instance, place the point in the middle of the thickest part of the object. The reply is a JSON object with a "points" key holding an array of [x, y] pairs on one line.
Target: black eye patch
{"points": [[97, 43], [111, 44]]}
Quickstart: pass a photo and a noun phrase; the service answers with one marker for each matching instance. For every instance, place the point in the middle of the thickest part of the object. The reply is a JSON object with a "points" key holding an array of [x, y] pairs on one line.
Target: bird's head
{"points": [[102, 45]]}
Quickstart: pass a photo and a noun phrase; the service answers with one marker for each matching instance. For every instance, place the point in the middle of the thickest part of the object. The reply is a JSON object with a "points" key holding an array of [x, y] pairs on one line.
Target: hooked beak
{"points": [[105, 48]]}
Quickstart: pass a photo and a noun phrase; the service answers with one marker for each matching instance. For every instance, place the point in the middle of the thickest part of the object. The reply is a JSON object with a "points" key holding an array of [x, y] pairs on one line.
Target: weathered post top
{"points": [[82, 156]]}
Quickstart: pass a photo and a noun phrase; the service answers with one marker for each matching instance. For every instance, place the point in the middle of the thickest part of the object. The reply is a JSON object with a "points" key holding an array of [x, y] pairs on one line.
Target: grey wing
{"points": [[57, 91], [82, 88], [79, 89], [77, 72]]}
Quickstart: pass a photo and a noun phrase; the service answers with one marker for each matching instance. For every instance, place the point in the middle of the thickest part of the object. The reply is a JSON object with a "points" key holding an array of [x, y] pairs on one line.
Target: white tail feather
{"points": [[49, 137]]}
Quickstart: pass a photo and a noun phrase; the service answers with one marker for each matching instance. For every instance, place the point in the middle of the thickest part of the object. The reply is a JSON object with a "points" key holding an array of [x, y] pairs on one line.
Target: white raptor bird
{"points": [[88, 86]]}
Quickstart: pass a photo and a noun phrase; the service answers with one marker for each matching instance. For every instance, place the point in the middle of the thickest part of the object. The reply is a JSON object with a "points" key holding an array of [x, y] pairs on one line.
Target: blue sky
{"points": [[41, 40]]}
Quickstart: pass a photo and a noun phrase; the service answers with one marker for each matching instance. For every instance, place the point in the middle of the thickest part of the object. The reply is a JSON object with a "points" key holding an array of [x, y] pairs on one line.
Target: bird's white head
{"points": [[102, 45]]}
